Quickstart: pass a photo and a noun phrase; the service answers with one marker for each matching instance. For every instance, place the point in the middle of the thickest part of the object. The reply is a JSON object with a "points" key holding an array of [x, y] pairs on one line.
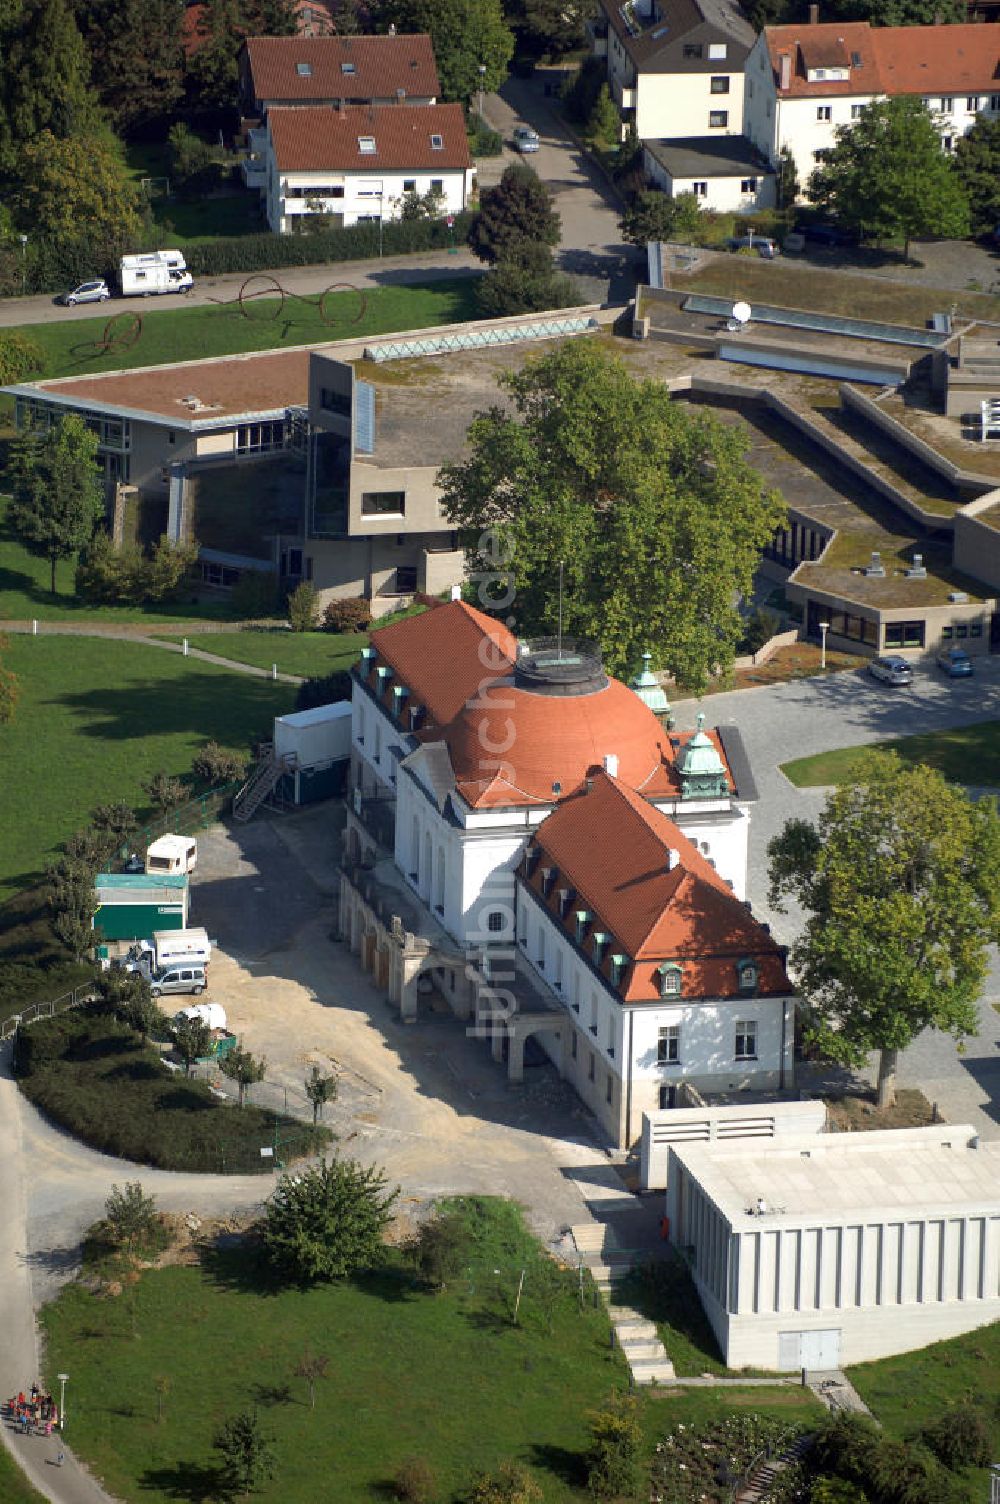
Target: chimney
{"points": [[400, 96], [392, 29], [456, 592], [814, 15], [673, 859], [611, 764], [784, 71]]}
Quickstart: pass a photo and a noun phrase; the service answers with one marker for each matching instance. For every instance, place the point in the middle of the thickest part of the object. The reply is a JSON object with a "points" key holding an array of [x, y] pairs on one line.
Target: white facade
{"points": [[352, 197], [742, 189], [837, 1249]]}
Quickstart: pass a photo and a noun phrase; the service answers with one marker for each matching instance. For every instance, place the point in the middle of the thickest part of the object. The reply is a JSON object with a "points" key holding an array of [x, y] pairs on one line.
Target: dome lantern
{"points": [[702, 771]]}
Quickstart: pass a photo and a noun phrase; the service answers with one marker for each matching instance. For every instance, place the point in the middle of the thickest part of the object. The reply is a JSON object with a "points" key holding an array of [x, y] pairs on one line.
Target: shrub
{"points": [[441, 1249], [217, 764], [324, 690], [129, 1215], [352, 614], [254, 253], [302, 607], [758, 628], [414, 1481], [613, 1454], [484, 141], [164, 792], [19, 356], [580, 92], [328, 1221], [959, 1438], [112, 576], [509, 1484]]}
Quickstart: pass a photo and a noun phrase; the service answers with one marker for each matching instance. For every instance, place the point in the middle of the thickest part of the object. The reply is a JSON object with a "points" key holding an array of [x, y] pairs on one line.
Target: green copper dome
{"points": [[649, 691], [703, 773]]}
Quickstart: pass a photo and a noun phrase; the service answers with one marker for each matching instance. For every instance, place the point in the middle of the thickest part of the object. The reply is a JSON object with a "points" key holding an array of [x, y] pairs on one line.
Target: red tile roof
{"points": [[318, 138], [612, 848], [443, 657], [924, 60], [381, 67]]}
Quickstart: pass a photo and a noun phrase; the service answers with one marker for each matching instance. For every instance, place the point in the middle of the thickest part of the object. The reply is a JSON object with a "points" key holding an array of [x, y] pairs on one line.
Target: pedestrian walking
{"points": [[60, 1458]]}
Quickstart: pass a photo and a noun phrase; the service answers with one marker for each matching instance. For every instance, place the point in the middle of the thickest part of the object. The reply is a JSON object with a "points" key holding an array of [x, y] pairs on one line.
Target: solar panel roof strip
{"points": [[795, 318]]}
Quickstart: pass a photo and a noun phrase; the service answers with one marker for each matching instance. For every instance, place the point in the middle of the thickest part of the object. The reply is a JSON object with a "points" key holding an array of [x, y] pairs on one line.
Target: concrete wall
{"points": [[968, 480], [687, 1124]]}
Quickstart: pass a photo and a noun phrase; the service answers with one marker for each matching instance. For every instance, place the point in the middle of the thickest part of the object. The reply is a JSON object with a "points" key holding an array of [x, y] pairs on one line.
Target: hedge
{"points": [[52, 266]]}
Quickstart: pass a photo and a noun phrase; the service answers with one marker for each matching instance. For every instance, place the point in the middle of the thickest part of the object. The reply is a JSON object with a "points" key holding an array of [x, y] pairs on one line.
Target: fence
{"points": [[195, 815], [34, 1011]]}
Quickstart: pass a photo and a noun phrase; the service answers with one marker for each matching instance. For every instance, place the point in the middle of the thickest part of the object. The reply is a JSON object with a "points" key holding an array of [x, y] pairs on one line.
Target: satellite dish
{"points": [[741, 313]]}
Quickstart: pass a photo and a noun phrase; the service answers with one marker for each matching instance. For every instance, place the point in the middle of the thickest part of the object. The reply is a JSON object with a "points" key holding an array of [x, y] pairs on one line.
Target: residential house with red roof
{"points": [[528, 835], [359, 163], [294, 72], [806, 79]]}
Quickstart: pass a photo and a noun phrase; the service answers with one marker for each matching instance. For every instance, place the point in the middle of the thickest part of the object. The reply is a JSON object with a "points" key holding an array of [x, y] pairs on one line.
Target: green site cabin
{"points": [[134, 905]]}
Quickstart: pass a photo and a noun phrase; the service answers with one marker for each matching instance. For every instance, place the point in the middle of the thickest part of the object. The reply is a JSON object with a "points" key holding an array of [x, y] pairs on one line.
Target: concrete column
{"points": [[496, 1038], [408, 999], [515, 1058]]}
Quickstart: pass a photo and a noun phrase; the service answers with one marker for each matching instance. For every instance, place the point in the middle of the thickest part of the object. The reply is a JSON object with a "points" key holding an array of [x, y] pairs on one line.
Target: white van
{"points": [[173, 854], [170, 948], [154, 272]]}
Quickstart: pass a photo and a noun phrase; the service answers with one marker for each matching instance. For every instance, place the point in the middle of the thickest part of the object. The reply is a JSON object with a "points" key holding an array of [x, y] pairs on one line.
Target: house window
{"points": [[748, 185], [304, 70], [406, 580], [716, 50], [383, 503], [995, 101], [700, 190], [572, 1045], [746, 1039], [904, 634], [437, 185], [437, 142], [670, 981], [582, 920], [541, 949], [618, 964], [947, 142], [347, 68], [718, 119], [824, 112], [335, 402], [609, 1094], [747, 976], [409, 185], [692, 49], [857, 110], [947, 105], [947, 633], [259, 438], [973, 104], [495, 921], [976, 629], [822, 155], [720, 84], [962, 631], [591, 1068], [667, 1097], [668, 1045], [366, 145]]}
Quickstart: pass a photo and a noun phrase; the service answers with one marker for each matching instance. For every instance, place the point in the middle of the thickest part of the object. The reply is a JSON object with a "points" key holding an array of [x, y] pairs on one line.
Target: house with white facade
{"points": [[833, 1249], [725, 174], [294, 72], [359, 163], [472, 753], [675, 67], [806, 79]]}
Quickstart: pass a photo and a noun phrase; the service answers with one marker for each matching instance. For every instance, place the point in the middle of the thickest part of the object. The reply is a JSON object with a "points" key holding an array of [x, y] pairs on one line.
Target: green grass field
{"points": [[14, 1486], [445, 1377], [967, 754], [180, 333], [309, 654], [95, 718]]}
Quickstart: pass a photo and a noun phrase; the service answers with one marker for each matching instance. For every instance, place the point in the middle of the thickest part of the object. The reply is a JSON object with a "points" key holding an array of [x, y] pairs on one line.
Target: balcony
{"points": [[377, 813]]}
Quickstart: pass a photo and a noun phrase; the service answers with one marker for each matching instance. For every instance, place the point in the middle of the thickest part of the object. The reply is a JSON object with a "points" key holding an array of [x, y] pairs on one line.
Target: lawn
{"points": [[908, 1391], [310, 654], [14, 1486], [95, 718], [197, 332], [445, 1377], [954, 753]]}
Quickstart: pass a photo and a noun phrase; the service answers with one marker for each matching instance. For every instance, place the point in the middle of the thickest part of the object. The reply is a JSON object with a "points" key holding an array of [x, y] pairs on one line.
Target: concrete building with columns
{"points": [[834, 1249], [470, 752]]}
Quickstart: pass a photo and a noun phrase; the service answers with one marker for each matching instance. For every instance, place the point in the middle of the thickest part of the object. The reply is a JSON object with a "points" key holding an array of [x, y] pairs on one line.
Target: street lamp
{"points": [[824, 627], [24, 258], [62, 1377], [482, 78]]}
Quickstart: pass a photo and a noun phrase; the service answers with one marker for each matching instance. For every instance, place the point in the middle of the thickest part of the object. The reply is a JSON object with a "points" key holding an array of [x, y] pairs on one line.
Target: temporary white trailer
{"points": [[316, 745]]}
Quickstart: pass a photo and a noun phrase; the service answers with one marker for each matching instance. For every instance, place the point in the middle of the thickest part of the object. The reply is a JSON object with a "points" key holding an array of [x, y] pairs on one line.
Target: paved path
{"points": [[784, 721], [127, 633]]}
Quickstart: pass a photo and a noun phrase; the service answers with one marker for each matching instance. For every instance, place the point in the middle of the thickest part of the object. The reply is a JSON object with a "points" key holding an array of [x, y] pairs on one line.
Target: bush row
{"points": [[51, 266]]}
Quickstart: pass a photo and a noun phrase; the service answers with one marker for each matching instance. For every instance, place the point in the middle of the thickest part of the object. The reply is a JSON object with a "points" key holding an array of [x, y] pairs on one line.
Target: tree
{"points": [[302, 607], [117, 821], [58, 495], [652, 510], [217, 764], [653, 215], [212, 77], [165, 793], [192, 1040], [524, 280], [130, 1215], [604, 124], [72, 899], [19, 356], [243, 1068], [193, 166], [959, 1437], [518, 209], [788, 178], [9, 690], [127, 995], [137, 57], [328, 1221], [312, 1367], [889, 178], [46, 79], [615, 1444], [911, 12], [465, 35], [248, 1459], [509, 1484], [550, 27], [320, 1089], [441, 1249], [977, 164], [415, 1482], [67, 186], [900, 884], [169, 569], [323, 690]]}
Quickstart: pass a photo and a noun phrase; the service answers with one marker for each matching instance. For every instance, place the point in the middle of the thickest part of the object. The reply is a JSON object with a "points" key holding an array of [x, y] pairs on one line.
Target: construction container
{"points": [[135, 905], [316, 748]]}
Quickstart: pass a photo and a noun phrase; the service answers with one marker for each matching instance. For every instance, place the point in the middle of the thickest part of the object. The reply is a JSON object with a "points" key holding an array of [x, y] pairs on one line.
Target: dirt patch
{"points": [[858, 1112]]}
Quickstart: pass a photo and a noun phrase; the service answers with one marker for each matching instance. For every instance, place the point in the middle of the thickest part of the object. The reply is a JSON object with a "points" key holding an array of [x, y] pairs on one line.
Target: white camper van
{"points": [[154, 272], [172, 854]]}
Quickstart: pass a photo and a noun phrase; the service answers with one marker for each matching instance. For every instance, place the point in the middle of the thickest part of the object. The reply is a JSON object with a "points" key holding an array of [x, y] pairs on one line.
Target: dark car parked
{"points": [[822, 234]]}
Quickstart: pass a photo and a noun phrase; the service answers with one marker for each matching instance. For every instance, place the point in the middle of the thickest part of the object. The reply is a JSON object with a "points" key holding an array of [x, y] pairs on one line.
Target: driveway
{"points": [[785, 721]]}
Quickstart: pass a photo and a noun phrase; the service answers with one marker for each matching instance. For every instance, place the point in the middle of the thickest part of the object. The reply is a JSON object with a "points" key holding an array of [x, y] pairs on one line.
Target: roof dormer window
{"points": [[437, 142], [600, 945], [348, 68], [716, 49], [366, 145], [618, 965], [549, 876], [304, 70], [582, 920], [747, 975], [670, 979]]}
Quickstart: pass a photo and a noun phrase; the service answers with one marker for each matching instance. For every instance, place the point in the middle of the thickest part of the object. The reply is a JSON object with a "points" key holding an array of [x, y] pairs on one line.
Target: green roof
{"points": [[137, 881]]}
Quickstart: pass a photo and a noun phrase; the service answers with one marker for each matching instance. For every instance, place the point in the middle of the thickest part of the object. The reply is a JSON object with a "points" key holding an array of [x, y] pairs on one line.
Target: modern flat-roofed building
{"points": [[834, 1249]]}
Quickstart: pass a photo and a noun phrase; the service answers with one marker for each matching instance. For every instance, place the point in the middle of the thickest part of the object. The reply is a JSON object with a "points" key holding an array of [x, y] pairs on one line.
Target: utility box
{"points": [[316, 745], [134, 905]]}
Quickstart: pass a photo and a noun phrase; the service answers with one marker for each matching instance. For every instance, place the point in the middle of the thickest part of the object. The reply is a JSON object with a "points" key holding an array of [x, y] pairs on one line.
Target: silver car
{"points": [[525, 139], [96, 291], [891, 669], [178, 979]]}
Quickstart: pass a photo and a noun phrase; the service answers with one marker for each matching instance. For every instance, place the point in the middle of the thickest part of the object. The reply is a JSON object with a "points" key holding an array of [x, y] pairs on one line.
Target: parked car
{"points": [[891, 669], [794, 241], [956, 662], [823, 234], [762, 244], [87, 292], [525, 139], [178, 979]]}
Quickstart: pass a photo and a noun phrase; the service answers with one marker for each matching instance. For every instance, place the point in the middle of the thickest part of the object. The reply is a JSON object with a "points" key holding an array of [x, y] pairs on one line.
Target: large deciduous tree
{"points": [[467, 35], [654, 215], [977, 164], [889, 177], [326, 1222], [71, 187], [900, 885], [517, 213], [58, 495], [44, 78], [137, 55], [651, 509]]}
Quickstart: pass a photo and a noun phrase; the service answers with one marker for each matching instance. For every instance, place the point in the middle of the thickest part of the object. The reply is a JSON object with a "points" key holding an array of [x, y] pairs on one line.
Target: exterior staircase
{"points": [[634, 1334], [261, 784], [759, 1482]]}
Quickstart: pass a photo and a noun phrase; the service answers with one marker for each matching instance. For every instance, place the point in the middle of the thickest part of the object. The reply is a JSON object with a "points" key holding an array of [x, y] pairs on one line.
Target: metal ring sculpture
{"points": [[271, 287], [121, 332]]}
